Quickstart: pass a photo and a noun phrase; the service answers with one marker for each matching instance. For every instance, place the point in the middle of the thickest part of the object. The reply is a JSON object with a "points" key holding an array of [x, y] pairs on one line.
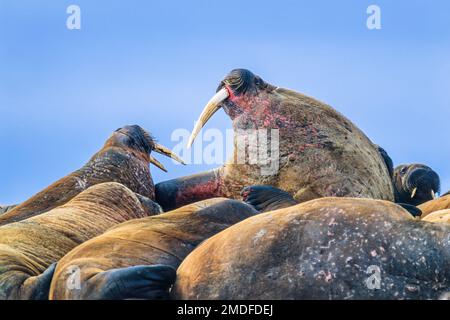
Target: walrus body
{"points": [[123, 159], [314, 150], [330, 248], [29, 247], [135, 259], [441, 216], [438, 204]]}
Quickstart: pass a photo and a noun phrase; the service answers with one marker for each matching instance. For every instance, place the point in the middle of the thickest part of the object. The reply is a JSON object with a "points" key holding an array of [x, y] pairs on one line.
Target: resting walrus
{"points": [[438, 204], [138, 259], [320, 153], [30, 246], [329, 248], [124, 159], [415, 184]]}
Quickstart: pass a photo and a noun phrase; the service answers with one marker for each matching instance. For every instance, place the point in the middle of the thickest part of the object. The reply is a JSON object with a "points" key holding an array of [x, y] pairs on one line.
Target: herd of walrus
{"points": [[334, 210]]}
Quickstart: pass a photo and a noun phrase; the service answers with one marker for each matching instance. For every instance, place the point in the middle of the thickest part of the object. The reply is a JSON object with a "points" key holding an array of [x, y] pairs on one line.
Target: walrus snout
{"points": [[425, 180], [138, 139], [416, 183]]}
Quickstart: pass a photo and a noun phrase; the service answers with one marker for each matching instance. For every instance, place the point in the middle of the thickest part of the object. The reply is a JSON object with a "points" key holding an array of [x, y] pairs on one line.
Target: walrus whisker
{"points": [[157, 163], [167, 152], [211, 107]]}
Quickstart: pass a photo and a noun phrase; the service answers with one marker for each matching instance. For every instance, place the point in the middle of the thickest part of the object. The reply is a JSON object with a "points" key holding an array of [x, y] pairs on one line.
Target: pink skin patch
{"points": [[199, 192]]}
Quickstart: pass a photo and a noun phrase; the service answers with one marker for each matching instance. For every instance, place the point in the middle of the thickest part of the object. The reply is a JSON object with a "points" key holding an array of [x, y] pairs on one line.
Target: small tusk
{"points": [[167, 152], [413, 193], [211, 107], [433, 194], [157, 163]]}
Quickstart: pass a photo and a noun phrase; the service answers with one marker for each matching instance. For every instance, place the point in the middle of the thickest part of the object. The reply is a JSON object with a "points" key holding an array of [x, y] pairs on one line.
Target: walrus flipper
{"points": [[267, 198], [137, 282], [387, 160], [415, 212], [38, 288], [172, 194]]}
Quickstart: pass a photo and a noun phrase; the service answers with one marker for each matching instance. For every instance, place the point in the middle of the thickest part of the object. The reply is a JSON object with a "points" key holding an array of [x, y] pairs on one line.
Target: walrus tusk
{"points": [[211, 107], [157, 163], [413, 193], [433, 194], [167, 152]]}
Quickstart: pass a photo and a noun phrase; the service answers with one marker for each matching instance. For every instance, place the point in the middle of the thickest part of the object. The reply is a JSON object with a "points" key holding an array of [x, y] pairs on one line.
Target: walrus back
{"points": [[30, 246], [158, 240], [110, 164]]}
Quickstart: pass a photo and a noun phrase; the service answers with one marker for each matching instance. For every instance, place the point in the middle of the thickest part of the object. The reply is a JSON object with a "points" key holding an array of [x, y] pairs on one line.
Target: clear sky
{"points": [[156, 63]]}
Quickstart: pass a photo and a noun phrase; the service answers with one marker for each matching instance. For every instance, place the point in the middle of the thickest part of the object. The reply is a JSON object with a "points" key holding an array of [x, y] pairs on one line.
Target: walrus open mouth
{"points": [[142, 140], [236, 83]]}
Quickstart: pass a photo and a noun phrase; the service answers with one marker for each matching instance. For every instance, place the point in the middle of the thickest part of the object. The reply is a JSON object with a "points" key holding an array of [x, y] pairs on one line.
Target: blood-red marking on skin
{"points": [[199, 192]]}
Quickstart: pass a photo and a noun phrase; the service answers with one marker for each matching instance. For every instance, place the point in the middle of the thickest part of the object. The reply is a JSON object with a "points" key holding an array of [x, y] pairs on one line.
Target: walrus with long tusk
{"points": [[28, 248], [304, 147], [328, 248], [124, 159], [415, 184], [138, 259]]}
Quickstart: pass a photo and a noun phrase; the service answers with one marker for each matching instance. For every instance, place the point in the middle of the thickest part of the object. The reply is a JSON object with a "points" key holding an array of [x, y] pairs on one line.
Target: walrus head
{"points": [[415, 184], [141, 143], [240, 93]]}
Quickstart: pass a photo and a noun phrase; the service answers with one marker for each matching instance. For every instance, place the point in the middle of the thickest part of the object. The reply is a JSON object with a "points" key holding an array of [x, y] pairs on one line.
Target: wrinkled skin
{"points": [[124, 159], [321, 153], [438, 204], [30, 246], [329, 248], [138, 259], [418, 177], [441, 216]]}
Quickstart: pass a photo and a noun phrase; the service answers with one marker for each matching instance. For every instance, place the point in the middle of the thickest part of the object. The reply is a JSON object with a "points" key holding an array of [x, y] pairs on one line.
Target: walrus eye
{"points": [[403, 171]]}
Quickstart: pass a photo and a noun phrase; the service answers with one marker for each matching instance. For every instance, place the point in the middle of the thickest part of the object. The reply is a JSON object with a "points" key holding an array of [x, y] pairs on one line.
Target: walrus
{"points": [[30, 246], [138, 259], [434, 205], [124, 159], [328, 248], [314, 150], [415, 184], [441, 216]]}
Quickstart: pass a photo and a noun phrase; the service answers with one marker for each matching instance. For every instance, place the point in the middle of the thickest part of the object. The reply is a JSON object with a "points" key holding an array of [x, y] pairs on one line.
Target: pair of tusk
{"points": [[167, 152], [164, 151], [413, 193], [157, 163], [211, 107]]}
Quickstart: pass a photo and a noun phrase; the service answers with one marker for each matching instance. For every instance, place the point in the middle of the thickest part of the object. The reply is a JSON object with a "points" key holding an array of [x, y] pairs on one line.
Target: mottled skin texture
{"points": [[441, 203], [441, 216], [408, 177], [107, 261], [124, 159], [321, 249], [29, 247], [321, 153]]}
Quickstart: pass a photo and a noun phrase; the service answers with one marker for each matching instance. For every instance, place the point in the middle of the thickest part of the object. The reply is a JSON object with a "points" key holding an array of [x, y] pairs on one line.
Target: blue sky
{"points": [[156, 63]]}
